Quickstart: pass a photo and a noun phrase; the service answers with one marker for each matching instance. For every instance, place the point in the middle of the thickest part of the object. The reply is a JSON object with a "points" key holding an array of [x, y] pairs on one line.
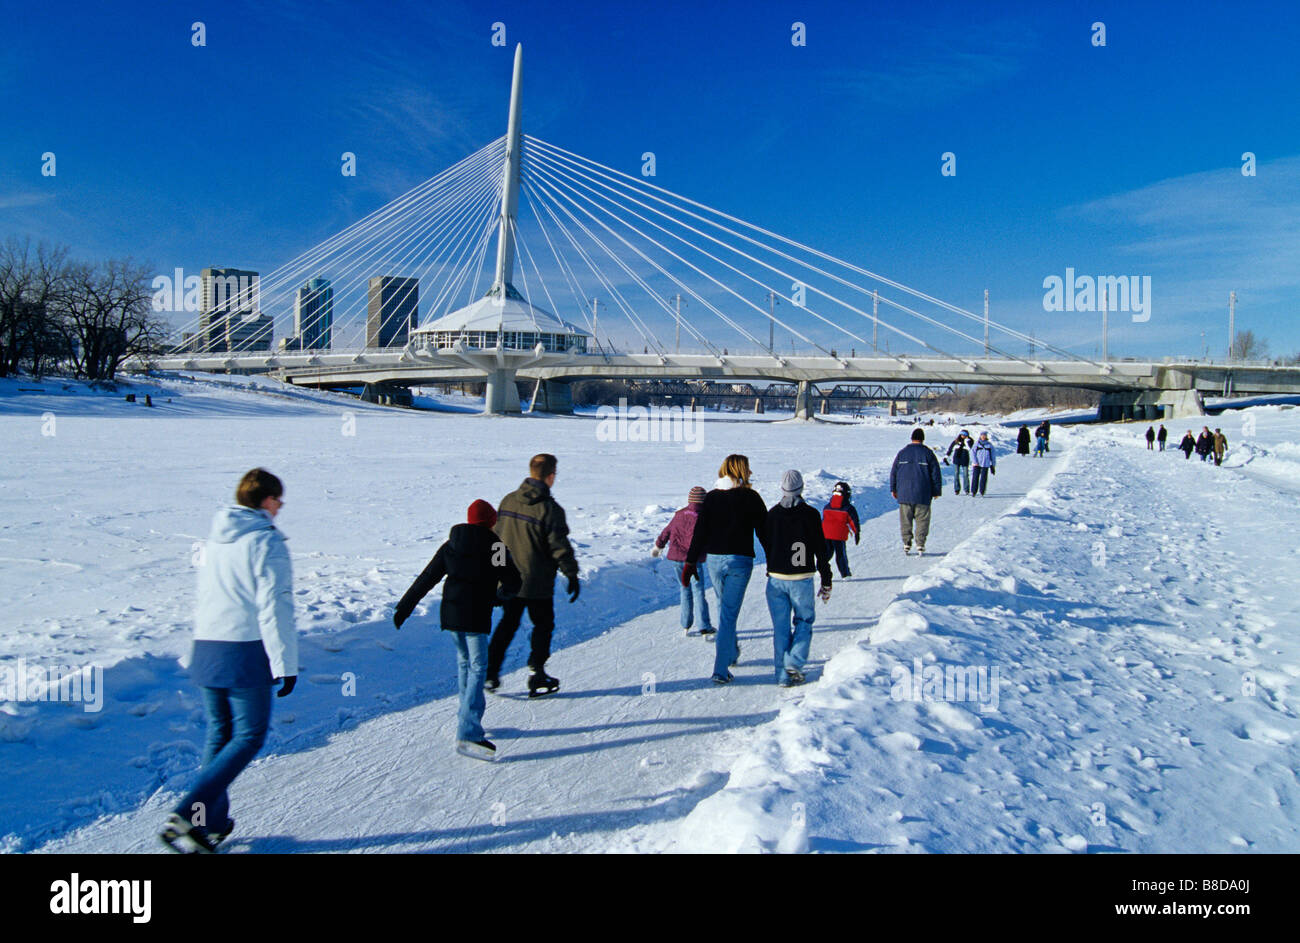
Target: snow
{"points": [[1114, 599]]}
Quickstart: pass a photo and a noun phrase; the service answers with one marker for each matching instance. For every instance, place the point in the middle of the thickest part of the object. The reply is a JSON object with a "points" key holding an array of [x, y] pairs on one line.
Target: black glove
{"points": [[573, 589], [857, 538], [687, 572], [397, 621], [287, 688], [993, 469]]}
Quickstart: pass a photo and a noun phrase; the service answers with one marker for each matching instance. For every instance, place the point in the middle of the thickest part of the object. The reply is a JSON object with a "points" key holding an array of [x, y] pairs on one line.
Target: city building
{"points": [[230, 319], [313, 315], [392, 311]]}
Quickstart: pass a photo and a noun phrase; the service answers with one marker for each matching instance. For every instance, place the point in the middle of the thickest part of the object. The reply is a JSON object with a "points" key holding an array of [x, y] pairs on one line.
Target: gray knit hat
{"points": [[791, 488]]}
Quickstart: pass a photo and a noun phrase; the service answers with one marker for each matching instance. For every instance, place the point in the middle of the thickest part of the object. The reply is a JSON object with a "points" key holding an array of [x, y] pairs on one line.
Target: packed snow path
{"points": [[638, 734]]}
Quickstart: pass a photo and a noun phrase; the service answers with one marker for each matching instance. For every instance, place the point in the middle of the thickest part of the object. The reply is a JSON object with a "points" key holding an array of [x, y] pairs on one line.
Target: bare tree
{"points": [[108, 316], [1246, 346], [31, 284]]}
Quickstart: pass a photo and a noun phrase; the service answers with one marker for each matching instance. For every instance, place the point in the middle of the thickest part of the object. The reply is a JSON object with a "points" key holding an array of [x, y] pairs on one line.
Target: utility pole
{"points": [[595, 321], [1031, 343], [1105, 313], [771, 322], [677, 347], [1232, 321], [875, 318], [986, 323]]}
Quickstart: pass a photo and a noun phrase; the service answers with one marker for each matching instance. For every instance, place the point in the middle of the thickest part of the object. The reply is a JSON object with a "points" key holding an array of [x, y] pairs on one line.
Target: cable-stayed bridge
{"points": [[527, 261]]}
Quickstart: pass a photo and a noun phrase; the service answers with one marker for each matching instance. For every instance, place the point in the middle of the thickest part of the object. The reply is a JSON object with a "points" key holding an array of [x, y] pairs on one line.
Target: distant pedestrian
{"points": [[1045, 430], [480, 575], [985, 465], [1040, 443], [1204, 443], [244, 642], [839, 519], [792, 539], [960, 452], [1162, 436], [1188, 445], [677, 538], [535, 531], [1220, 446], [914, 481], [730, 517], [1151, 438], [1022, 441]]}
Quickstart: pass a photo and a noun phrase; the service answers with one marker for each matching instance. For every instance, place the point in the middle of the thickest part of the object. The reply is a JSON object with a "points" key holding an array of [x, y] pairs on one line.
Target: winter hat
{"points": [[482, 513], [696, 496], [791, 488], [843, 487]]}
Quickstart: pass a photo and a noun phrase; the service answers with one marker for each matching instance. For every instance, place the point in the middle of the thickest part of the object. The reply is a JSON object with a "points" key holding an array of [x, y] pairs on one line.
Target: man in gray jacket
{"points": [[914, 481]]}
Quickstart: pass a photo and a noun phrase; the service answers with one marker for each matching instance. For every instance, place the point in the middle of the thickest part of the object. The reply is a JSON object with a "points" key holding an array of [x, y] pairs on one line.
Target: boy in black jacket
{"points": [[480, 574], [792, 539]]}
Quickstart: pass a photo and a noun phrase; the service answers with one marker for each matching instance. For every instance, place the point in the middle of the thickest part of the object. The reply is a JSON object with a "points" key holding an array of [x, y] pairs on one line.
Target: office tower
{"points": [[393, 310]]}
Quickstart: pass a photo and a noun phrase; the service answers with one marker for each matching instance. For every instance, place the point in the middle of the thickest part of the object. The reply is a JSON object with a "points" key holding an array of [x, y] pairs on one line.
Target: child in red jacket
{"points": [[839, 519]]}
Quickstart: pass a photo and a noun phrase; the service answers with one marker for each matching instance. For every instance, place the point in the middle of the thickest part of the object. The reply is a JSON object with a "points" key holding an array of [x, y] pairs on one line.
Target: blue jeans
{"points": [[694, 602], [730, 576], [238, 719], [790, 643], [471, 669], [961, 473]]}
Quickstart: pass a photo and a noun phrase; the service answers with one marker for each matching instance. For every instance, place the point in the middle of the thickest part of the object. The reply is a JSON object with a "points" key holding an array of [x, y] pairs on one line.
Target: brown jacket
{"points": [[534, 530]]}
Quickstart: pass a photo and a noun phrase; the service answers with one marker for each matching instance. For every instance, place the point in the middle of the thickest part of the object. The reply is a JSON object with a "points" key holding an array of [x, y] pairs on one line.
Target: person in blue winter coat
{"points": [[914, 481], [244, 642], [985, 465]]}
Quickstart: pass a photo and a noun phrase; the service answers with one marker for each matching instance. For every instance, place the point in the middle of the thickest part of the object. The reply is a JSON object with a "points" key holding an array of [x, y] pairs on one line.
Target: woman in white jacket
{"points": [[244, 641]]}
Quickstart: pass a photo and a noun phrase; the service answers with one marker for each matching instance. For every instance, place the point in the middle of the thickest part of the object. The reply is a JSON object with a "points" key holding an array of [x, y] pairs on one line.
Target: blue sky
{"points": [[1122, 160]]}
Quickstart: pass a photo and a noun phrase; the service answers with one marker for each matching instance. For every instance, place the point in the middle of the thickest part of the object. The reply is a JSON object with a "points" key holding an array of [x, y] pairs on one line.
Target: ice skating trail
{"points": [[1136, 610], [638, 734]]}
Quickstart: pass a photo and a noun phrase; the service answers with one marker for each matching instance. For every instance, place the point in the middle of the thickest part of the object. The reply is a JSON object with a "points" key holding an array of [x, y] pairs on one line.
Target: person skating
{"points": [[1045, 431], [1188, 445], [1204, 443], [839, 519], [914, 481], [792, 539], [535, 532], [480, 574], [1022, 441], [985, 465], [960, 452], [1220, 446], [1151, 438], [677, 538], [1161, 437], [244, 642], [730, 517]]}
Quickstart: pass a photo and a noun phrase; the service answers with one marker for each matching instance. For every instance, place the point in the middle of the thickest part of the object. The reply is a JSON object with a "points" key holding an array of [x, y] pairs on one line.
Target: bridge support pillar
{"points": [[554, 396], [501, 395], [803, 408], [758, 405], [1150, 405]]}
